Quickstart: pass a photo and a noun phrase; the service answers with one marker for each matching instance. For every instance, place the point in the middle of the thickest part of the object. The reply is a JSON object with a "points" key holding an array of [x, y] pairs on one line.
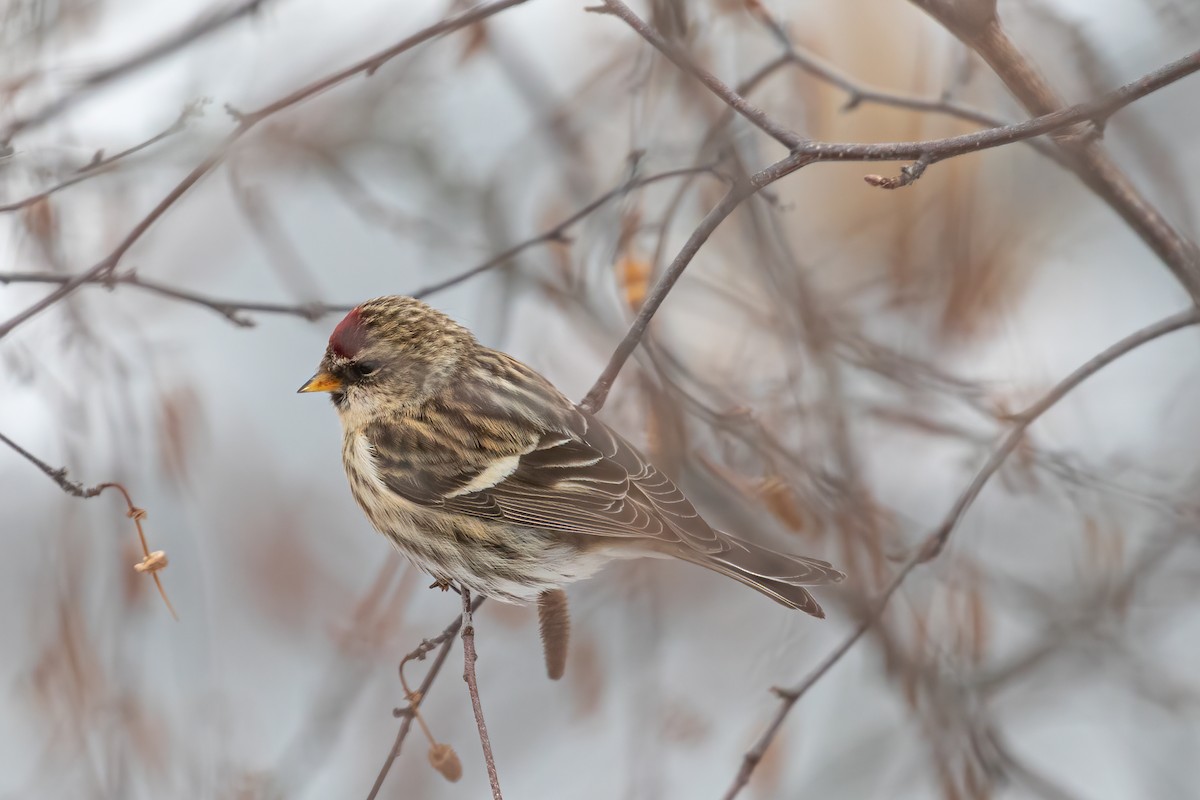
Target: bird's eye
{"points": [[363, 369]]}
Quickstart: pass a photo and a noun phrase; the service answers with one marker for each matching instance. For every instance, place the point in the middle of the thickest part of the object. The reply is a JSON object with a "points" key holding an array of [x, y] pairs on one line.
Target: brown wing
{"points": [[531, 458]]}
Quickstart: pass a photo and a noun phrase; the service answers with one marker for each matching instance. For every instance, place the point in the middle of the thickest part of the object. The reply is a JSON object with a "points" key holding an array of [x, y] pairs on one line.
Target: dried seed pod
{"points": [[554, 623], [152, 562], [443, 758]]}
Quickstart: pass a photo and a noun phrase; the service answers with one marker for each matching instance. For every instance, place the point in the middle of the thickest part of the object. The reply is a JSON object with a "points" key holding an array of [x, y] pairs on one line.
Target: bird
{"points": [[490, 479]]}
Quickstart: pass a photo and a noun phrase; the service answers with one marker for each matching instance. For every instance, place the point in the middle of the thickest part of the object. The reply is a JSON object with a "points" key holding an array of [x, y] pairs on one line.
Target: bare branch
{"points": [[101, 164], [935, 541], [469, 658], [59, 475], [929, 152], [680, 58], [247, 121], [233, 310], [978, 27], [444, 641], [208, 24], [557, 233], [152, 561], [596, 396], [230, 309]]}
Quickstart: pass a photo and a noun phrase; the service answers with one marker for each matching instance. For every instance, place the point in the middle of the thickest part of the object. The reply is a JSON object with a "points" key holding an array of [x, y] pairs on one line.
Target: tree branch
{"points": [[680, 58], [247, 121], [197, 30], [926, 152], [933, 544], [232, 309], [444, 641], [152, 562], [469, 658], [59, 475], [978, 27], [101, 164]]}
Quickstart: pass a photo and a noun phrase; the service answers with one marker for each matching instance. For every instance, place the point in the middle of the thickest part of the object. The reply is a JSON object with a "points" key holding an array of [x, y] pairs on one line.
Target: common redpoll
{"points": [[486, 476]]}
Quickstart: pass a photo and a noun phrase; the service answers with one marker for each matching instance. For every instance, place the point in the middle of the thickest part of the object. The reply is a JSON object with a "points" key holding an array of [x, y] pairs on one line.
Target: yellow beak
{"points": [[321, 382]]}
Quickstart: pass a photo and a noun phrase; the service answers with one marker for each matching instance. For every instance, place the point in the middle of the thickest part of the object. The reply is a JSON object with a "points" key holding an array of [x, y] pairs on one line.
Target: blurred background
{"points": [[828, 376]]}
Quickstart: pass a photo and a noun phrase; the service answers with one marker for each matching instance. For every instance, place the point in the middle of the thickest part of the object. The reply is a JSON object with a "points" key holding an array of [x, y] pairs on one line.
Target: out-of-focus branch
{"points": [[469, 658], [233, 310], [1034, 780], [923, 152], [680, 58], [936, 541], [977, 25], [596, 396], [110, 262], [557, 233], [247, 121], [208, 24], [101, 163], [230, 309], [152, 561], [59, 475]]}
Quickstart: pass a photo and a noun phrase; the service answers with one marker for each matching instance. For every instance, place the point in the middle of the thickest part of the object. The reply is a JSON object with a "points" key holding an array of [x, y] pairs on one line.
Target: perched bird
{"points": [[485, 475]]}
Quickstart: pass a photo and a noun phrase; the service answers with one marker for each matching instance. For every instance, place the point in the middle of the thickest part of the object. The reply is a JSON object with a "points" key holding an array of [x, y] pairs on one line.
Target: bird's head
{"points": [[390, 353]]}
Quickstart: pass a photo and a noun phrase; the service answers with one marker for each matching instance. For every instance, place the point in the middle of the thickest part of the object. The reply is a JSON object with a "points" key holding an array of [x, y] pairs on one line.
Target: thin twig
{"points": [[101, 163], [59, 476], [208, 24], [927, 152], [557, 233], [936, 541], [247, 121], [152, 561], [595, 398], [469, 658], [442, 642], [230, 309], [977, 26], [680, 58], [233, 310]]}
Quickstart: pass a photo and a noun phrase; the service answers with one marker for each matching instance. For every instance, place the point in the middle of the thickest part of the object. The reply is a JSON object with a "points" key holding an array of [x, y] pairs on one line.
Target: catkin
{"points": [[554, 622]]}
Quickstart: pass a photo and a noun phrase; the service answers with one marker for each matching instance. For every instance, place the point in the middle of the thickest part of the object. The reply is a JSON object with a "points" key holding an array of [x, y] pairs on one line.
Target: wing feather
{"points": [[539, 461]]}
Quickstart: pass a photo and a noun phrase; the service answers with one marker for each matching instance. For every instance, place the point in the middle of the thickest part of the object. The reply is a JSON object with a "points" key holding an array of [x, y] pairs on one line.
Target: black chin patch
{"points": [[338, 398]]}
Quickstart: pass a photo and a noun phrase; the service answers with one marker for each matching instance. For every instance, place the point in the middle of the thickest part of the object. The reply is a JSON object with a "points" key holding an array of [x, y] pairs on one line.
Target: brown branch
{"points": [[232, 309], [247, 121], [930, 151], [101, 163], [371, 64], [110, 262], [197, 30], [442, 643], [469, 658], [557, 233], [933, 544], [59, 475], [152, 561], [977, 26], [680, 58], [926, 152], [596, 396]]}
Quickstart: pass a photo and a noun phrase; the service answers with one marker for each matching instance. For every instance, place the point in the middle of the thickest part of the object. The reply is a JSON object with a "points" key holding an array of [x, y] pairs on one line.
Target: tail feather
{"points": [[780, 576]]}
